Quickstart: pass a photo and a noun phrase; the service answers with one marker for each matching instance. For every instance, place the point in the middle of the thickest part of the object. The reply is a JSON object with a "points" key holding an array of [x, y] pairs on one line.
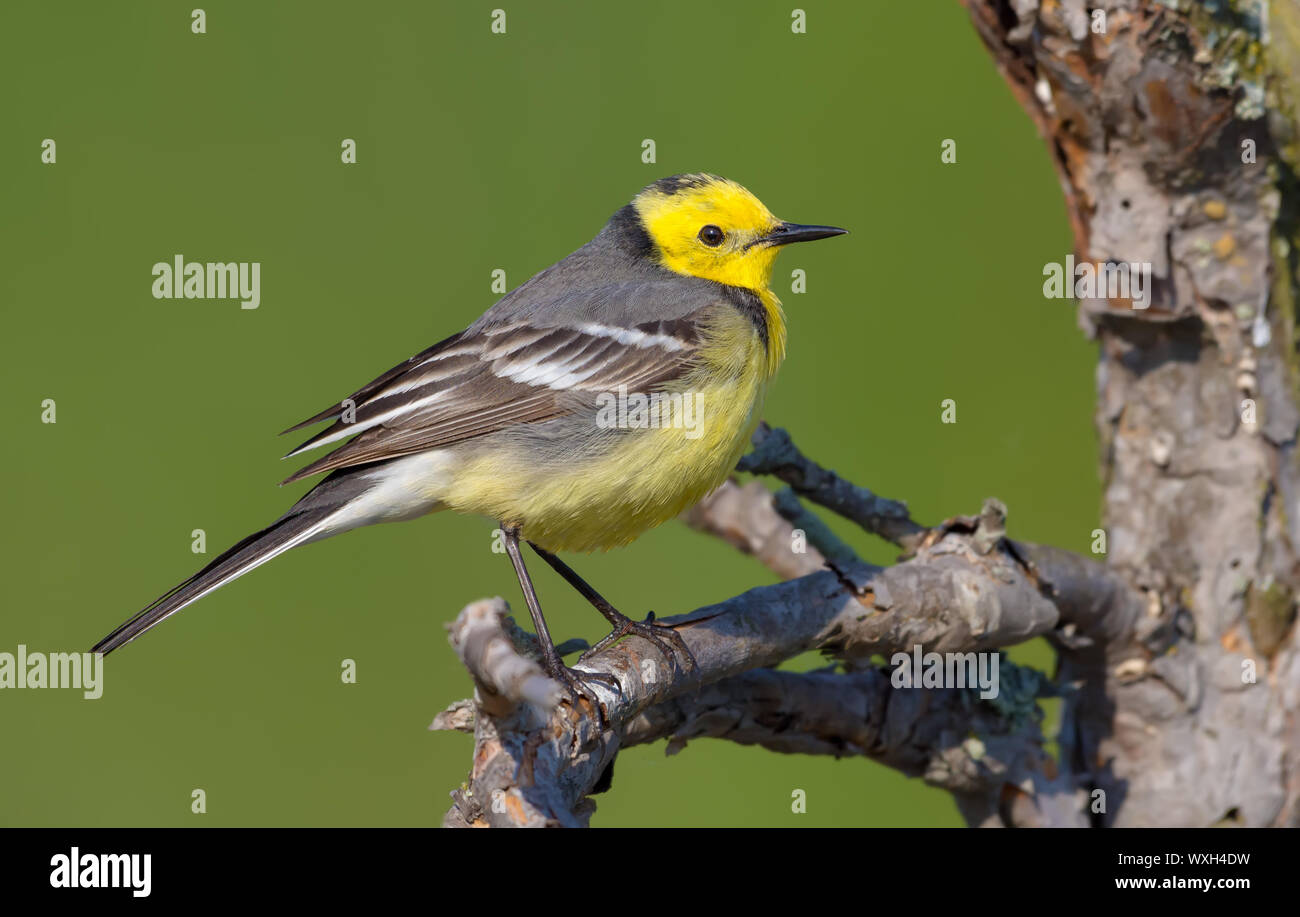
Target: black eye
{"points": [[711, 235]]}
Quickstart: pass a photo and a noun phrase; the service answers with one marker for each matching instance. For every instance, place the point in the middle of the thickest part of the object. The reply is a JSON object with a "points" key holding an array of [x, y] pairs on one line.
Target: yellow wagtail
{"points": [[601, 398]]}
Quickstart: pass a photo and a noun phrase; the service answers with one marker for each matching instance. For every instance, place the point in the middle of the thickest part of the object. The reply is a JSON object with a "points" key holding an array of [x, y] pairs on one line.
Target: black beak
{"points": [[785, 233]]}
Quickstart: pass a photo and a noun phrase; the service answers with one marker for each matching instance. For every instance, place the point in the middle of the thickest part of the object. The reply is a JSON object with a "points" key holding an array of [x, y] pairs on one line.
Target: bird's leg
{"points": [[551, 661], [623, 625]]}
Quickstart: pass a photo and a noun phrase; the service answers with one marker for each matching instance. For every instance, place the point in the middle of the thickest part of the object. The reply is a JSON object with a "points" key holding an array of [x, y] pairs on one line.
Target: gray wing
{"points": [[487, 379]]}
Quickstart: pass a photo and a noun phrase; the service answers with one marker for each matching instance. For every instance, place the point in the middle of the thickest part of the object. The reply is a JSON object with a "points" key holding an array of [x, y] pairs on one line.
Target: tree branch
{"points": [[775, 454], [995, 766], [965, 589]]}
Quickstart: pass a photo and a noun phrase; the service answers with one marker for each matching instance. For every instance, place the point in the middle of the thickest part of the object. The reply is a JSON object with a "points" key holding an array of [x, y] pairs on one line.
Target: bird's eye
{"points": [[711, 236]]}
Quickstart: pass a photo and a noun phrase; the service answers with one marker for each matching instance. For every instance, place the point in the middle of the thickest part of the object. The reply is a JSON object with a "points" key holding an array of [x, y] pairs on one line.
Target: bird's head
{"points": [[706, 226]]}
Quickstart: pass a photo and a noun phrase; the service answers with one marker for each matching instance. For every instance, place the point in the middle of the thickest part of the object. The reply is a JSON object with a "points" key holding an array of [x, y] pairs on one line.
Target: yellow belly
{"points": [[646, 476]]}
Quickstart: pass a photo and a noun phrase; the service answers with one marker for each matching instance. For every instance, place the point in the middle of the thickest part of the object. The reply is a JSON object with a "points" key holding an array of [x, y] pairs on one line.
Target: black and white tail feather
{"points": [[308, 520]]}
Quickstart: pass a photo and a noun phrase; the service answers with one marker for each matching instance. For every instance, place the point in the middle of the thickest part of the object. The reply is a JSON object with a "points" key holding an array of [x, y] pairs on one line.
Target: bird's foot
{"points": [[576, 684], [658, 634]]}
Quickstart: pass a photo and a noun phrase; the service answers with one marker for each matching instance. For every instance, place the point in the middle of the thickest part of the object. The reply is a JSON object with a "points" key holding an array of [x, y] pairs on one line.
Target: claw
{"points": [[576, 683], [654, 633]]}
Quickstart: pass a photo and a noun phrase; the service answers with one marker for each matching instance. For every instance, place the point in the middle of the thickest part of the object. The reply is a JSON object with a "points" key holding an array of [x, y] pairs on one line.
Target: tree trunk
{"points": [[1174, 137]]}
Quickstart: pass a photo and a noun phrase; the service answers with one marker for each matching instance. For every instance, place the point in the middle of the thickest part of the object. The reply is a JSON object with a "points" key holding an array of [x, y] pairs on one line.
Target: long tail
{"points": [[315, 516]]}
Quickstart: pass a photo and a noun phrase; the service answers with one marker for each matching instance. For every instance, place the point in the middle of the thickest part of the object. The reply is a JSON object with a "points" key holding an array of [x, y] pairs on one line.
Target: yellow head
{"points": [[706, 226]]}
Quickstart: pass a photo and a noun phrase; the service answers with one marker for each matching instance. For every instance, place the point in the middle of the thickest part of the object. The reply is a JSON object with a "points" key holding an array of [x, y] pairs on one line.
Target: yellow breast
{"points": [[646, 476]]}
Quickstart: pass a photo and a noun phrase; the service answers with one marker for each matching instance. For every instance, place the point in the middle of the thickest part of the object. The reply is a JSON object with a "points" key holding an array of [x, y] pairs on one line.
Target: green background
{"points": [[475, 151]]}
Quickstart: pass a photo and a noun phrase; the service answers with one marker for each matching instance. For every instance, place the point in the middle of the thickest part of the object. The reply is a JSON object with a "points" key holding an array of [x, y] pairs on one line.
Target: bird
{"points": [[518, 417]]}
